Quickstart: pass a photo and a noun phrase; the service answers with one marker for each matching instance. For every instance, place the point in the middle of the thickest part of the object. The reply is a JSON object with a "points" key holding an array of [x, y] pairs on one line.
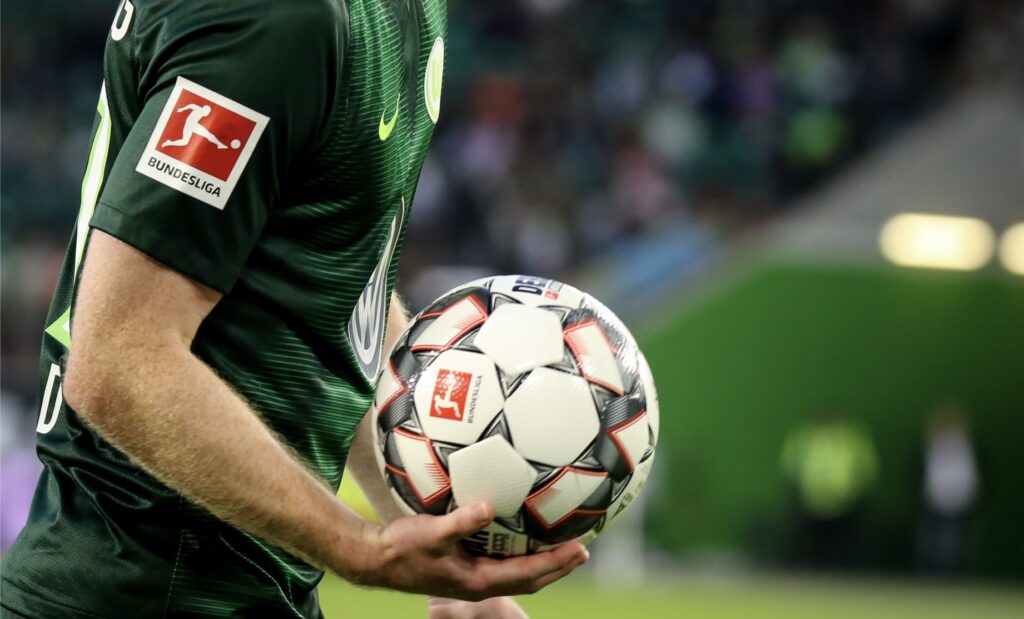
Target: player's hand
{"points": [[494, 608], [422, 554]]}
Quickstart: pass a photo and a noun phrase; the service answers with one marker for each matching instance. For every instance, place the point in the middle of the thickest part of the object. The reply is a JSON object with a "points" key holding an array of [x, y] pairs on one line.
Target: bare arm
{"points": [[362, 464], [132, 376]]}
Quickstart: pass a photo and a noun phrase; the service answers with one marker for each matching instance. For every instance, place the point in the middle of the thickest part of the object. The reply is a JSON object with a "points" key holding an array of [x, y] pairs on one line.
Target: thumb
{"points": [[464, 521]]}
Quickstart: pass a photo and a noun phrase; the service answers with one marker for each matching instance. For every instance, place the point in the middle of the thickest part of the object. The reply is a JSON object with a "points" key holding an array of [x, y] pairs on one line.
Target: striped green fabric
{"points": [[304, 250]]}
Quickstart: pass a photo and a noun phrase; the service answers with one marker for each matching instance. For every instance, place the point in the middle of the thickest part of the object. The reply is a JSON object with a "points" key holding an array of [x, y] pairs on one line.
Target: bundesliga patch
{"points": [[201, 143], [450, 392]]}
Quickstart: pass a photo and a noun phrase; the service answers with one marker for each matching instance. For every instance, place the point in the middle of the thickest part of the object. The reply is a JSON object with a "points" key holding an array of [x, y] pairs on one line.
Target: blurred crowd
{"points": [[567, 127], [570, 126], [833, 466]]}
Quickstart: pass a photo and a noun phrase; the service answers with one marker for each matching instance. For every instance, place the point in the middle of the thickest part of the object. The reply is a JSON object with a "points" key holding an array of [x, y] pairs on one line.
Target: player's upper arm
{"points": [[233, 96], [132, 314]]}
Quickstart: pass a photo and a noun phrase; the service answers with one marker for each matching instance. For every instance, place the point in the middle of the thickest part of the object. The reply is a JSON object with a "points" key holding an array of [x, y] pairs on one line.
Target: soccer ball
{"points": [[523, 392]]}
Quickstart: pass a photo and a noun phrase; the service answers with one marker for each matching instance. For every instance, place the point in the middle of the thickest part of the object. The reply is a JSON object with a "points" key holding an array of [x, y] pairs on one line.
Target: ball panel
{"points": [[497, 541], [520, 338], [379, 438], [577, 524], [450, 324], [617, 410], [616, 327], [562, 497], [443, 451], [551, 417], [457, 396], [536, 291], [632, 438], [396, 412], [498, 427], [601, 497], [491, 471], [405, 364], [392, 403], [402, 487], [468, 342], [610, 457], [626, 358], [595, 355], [401, 504], [629, 492], [589, 536], [416, 329], [650, 397], [420, 467], [476, 289], [390, 450], [623, 343], [389, 386]]}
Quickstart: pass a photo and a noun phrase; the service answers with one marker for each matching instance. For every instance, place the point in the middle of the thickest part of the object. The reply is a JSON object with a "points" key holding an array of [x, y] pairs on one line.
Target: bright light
{"points": [[1011, 249], [937, 241]]}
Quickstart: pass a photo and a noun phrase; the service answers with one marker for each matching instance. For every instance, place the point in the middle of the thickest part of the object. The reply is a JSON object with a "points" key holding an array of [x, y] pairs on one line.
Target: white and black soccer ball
{"points": [[524, 392]]}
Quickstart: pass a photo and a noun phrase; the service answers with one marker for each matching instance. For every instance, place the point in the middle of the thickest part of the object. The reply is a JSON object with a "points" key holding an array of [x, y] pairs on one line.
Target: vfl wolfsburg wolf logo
{"points": [[369, 317]]}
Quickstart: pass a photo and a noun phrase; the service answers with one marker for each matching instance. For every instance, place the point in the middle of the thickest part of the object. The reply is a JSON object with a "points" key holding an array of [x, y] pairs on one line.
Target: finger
{"points": [[517, 574], [547, 579], [566, 553], [493, 608], [441, 608], [535, 584], [573, 549], [463, 522]]}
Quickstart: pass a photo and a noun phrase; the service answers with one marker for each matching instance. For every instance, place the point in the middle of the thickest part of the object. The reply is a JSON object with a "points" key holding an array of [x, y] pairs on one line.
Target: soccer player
{"points": [[215, 337]]}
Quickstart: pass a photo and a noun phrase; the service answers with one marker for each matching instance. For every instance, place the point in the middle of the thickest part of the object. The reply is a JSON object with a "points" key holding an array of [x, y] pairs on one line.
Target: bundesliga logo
{"points": [[201, 143], [450, 392]]}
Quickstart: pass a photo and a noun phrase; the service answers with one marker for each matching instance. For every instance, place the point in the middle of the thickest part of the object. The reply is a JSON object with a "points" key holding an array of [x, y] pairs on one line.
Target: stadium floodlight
{"points": [[1011, 249], [937, 241]]}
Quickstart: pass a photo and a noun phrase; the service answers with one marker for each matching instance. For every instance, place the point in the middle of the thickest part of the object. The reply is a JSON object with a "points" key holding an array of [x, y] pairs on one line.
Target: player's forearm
{"points": [[362, 466], [170, 413], [398, 321], [362, 463]]}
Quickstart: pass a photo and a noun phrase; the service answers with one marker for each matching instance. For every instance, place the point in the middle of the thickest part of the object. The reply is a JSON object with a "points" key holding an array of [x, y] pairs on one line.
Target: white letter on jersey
{"points": [[122, 19], [369, 317], [46, 424]]}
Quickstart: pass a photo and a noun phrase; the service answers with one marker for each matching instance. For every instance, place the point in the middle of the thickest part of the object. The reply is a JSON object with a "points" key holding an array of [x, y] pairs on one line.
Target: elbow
{"points": [[87, 387]]}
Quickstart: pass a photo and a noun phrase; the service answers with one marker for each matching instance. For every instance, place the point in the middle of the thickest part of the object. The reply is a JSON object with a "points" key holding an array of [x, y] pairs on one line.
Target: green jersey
{"points": [[268, 150]]}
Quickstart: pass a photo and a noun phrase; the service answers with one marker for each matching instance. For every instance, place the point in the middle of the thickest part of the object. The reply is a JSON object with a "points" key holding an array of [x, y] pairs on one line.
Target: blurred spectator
{"points": [[832, 466], [951, 488]]}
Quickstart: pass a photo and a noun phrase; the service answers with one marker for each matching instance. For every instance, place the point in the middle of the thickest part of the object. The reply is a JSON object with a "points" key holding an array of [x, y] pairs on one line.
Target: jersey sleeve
{"points": [[233, 95]]}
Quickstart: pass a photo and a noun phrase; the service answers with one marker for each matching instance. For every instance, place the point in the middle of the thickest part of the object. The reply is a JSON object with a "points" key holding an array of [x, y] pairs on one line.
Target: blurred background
{"points": [[811, 213]]}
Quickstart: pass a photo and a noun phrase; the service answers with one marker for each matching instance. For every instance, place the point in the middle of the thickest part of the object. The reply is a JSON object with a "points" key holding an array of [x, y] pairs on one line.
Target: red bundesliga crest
{"points": [[204, 135], [201, 143], [450, 392]]}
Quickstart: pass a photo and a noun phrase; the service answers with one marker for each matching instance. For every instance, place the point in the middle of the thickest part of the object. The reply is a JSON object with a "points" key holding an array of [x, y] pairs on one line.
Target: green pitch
{"points": [[761, 597]]}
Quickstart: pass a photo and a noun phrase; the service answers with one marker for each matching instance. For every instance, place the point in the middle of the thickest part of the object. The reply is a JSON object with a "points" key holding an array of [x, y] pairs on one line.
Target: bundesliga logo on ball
{"points": [[525, 393]]}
